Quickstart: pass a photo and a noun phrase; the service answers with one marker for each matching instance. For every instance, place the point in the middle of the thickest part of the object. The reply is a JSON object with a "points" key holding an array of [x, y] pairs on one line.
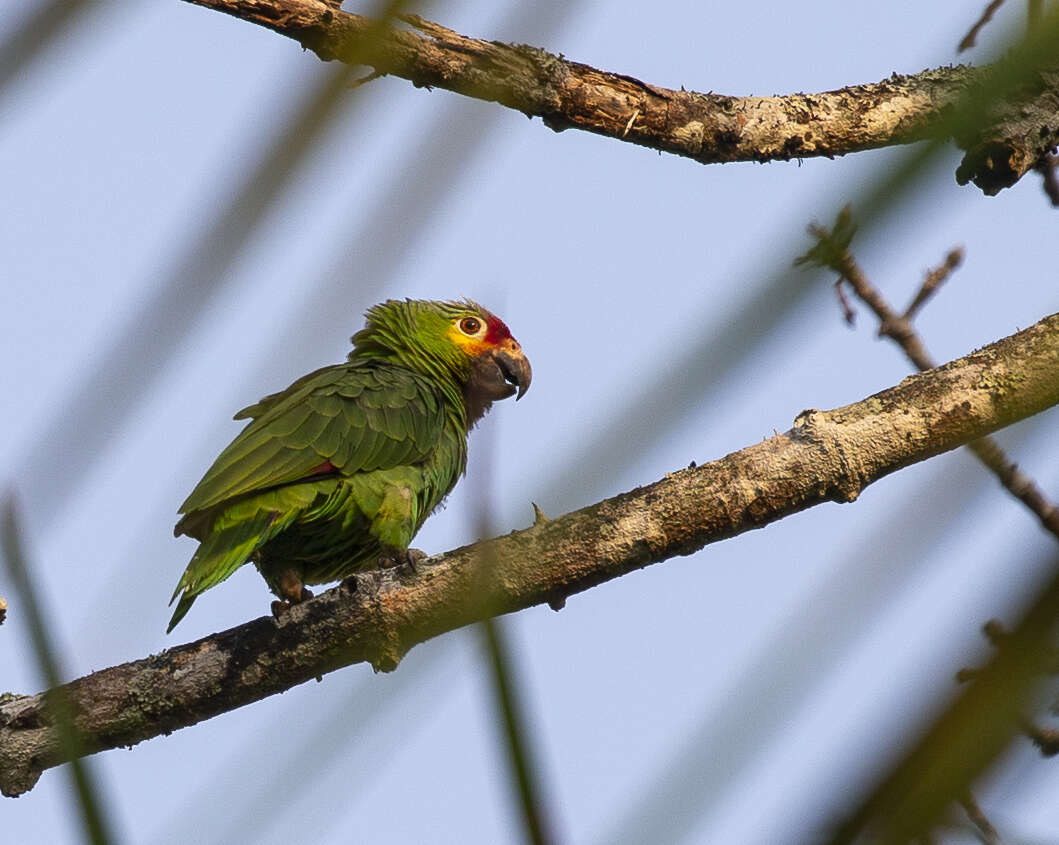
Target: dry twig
{"points": [[986, 831], [967, 42], [1046, 739], [935, 278]]}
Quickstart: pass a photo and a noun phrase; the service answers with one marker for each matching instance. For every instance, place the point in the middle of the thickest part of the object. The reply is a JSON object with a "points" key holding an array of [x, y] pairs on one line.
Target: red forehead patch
{"points": [[498, 330]]}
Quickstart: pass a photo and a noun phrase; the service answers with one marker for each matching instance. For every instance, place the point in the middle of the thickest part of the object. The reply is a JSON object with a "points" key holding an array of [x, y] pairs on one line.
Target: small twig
{"points": [[832, 250], [848, 314], [995, 632], [1046, 739], [986, 831], [1020, 485], [935, 278], [1049, 168], [969, 39], [3, 610]]}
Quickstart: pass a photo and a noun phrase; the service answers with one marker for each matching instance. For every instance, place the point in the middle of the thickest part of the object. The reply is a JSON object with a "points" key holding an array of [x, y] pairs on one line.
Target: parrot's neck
{"points": [[382, 342], [475, 404]]}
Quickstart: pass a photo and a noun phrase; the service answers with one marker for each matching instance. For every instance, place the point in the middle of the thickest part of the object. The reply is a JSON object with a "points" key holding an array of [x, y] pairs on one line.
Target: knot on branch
{"points": [[1015, 135], [375, 594], [828, 436], [995, 164]]}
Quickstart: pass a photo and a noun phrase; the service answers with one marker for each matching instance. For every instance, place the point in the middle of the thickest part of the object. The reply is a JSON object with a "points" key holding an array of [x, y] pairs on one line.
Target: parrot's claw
{"points": [[291, 591], [281, 608], [402, 557], [414, 556]]}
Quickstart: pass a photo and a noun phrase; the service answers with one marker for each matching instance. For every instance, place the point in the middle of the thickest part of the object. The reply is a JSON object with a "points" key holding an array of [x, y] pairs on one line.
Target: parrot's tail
{"points": [[222, 552], [183, 606]]}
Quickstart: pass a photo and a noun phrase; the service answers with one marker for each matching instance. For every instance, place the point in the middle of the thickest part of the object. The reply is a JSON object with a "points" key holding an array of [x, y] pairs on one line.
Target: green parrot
{"points": [[337, 473]]}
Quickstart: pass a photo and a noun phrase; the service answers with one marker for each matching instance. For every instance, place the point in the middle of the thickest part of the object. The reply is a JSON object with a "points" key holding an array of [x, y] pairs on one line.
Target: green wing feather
{"points": [[359, 417]]}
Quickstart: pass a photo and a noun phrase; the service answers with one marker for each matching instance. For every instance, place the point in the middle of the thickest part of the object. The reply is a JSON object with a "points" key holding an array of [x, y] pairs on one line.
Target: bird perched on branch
{"points": [[337, 473]]}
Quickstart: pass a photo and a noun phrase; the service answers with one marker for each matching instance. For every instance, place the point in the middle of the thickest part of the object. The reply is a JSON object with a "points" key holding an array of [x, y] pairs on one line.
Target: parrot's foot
{"points": [[282, 608], [414, 556], [402, 557], [290, 588]]}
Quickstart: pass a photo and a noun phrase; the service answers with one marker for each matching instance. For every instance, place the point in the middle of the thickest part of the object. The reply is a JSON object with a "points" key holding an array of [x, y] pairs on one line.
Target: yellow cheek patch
{"points": [[470, 345]]}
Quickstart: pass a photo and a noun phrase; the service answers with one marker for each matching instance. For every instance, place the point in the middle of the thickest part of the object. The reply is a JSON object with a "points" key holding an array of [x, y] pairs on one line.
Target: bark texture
{"points": [[708, 128], [377, 617]]}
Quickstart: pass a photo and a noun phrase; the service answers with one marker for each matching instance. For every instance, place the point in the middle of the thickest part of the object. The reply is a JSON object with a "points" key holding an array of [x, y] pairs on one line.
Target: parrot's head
{"points": [[455, 341]]}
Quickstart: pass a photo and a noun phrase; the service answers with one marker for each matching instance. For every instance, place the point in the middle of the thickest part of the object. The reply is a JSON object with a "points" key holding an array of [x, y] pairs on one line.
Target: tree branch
{"points": [[377, 617], [708, 128]]}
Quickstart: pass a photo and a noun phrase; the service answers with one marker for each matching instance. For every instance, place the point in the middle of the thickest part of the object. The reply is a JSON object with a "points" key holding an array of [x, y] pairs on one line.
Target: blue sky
{"points": [[737, 695]]}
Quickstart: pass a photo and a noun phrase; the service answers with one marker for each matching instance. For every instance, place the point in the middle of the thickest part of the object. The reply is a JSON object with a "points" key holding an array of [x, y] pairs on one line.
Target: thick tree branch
{"points": [[708, 128], [377, 617]]}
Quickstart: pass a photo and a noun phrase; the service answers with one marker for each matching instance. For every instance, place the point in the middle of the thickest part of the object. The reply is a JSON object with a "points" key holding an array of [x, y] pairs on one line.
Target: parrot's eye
{"points": [[470, 325]]}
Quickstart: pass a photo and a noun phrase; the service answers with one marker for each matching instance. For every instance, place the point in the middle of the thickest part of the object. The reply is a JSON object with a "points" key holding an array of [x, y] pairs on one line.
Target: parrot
{"points": [[337, 473]]}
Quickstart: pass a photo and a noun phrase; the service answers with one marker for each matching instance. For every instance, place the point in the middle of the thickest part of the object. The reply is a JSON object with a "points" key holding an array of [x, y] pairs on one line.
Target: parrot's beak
{"points": [[514, 366]]}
